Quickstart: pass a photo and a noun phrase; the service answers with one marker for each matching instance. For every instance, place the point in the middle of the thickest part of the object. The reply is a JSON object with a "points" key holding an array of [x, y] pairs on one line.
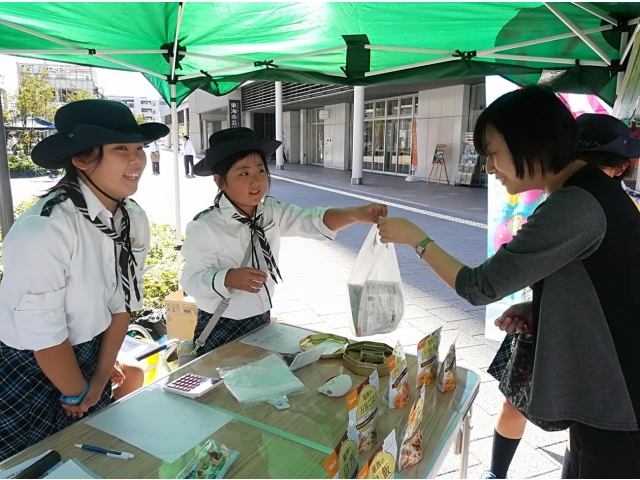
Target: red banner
{"points": [[414, 144]]}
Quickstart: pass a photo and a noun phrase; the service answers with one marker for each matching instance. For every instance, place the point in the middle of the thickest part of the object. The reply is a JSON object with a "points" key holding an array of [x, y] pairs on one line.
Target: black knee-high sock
{"points": [[503, 451], [566, 465]]}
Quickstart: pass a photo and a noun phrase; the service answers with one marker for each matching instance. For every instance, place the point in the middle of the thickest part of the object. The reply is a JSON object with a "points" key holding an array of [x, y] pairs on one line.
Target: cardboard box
{"points": [[182, 315]]}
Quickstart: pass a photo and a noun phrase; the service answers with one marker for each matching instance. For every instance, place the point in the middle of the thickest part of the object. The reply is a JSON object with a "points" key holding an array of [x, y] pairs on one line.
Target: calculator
{"points": [[192, 385]]}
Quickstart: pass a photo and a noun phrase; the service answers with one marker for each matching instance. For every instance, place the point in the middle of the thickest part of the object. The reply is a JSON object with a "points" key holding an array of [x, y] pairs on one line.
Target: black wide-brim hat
{"points": [[86, 124], [231, 141], [604, 133]]}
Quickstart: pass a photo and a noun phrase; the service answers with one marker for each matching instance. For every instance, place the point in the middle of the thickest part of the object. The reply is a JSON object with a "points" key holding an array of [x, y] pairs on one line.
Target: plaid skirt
{"points": [[227, 329], [30, 406], [499, 363]]}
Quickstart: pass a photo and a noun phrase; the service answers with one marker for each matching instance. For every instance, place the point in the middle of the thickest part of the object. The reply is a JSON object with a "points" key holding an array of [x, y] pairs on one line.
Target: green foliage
{"points": [[162, 279], [20, 166], [140, 118], [74, 95]]}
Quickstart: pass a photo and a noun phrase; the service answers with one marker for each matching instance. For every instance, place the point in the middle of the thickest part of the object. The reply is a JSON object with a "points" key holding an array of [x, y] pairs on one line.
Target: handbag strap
{"points": [[222, 307]]}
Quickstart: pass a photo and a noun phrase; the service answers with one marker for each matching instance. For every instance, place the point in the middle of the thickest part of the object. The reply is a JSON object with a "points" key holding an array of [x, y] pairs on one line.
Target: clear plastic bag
{"points": [[374, 288], [267, 379], [211, 461]]}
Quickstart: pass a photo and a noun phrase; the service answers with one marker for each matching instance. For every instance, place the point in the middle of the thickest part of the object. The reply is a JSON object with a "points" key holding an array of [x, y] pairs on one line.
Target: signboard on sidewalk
{"points": [[235, 112]]}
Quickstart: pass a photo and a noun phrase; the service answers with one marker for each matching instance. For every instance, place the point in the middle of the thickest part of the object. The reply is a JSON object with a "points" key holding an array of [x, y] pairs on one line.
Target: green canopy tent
{"points": [[217, 46]]}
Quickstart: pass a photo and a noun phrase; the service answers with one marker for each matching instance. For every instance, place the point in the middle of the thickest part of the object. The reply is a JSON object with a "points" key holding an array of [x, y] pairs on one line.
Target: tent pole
{"points": [[6, 201], [563, 18], [629, 44], [358, 135], [596, 12], [413, 65], [279, 129], [175, 41], [79, 51], [176, 167], [624, 43], [526, 58]]}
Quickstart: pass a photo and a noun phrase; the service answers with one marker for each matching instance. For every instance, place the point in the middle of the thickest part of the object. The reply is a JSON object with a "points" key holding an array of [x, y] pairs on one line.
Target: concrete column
{"points": [[292, 135], [279, 126], [303, 137], [358, 135], [248, 120]]}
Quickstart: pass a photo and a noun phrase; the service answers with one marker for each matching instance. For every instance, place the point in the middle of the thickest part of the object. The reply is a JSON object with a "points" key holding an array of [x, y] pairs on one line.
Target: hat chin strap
{"points": [[87, 177]]}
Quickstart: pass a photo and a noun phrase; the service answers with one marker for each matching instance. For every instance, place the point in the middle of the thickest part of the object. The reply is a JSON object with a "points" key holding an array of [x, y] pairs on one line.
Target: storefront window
{"points": [[368, 110], [315, 138], [387, 138]]}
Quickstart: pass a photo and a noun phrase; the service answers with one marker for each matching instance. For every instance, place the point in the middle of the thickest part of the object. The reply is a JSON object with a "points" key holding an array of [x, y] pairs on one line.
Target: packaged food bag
{"points": [[397, 395], [411, 448], [382, 464], [211, 461], [374, 288], [447, 374], [428, 359], [363, 412], [343, 462]]}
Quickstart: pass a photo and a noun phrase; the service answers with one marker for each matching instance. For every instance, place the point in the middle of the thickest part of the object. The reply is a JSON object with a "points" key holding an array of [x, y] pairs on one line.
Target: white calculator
{"points": [[192, 385]]}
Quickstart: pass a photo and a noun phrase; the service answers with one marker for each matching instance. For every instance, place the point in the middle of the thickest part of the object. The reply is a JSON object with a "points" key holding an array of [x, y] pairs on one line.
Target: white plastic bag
{"points": [[374, 289]]}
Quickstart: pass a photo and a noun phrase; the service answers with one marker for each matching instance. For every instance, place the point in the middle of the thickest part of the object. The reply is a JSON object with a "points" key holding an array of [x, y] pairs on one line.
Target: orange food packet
{"points": [[397, 394], [363, 411], [428, 359]]}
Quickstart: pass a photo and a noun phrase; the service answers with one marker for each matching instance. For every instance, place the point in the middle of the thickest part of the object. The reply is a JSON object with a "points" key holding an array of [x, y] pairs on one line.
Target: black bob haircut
{"points": [[538, 128], [222, 168]]}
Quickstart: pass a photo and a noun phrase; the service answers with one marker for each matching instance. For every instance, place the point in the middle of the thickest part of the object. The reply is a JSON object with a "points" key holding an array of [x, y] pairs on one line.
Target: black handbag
{"points": [[515, 384]]}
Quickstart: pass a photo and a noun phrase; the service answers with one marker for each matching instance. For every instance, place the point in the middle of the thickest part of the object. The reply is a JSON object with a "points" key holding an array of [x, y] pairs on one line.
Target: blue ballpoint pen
{"points": [[108, 453]]}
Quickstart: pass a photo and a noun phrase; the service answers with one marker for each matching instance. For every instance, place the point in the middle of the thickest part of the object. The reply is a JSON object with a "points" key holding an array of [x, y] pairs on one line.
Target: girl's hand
{"points": [[371, 213], [117, 375], [400, 231], [96, 387], [247, 279]]}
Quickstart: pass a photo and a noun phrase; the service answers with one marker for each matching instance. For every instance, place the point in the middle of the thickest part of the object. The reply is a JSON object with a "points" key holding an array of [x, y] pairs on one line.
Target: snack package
{"points": [[374, 288], [211, 461], [447, 374], [428, 359], [382, 464], [411, 448], [343, 462], [397, 395], [363, 412]]}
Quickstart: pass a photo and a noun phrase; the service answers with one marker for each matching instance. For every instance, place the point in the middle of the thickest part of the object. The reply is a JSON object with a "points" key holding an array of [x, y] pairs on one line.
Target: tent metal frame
{"points": [[6, 213]]}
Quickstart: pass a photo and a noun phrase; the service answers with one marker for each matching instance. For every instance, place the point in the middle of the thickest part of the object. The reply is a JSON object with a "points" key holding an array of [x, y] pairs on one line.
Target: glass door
{"points": [[367, 152], [391, 150], [404, 146], [378, 145]]}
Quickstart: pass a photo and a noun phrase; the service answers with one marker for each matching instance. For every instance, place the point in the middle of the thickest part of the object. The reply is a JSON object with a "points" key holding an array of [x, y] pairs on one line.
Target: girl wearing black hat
{"points": [[73, 267], [578, 367], [231, 249]]}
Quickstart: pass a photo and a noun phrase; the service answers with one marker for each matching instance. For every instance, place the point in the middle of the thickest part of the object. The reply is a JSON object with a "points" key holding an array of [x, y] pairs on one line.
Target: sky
{"points": [[114, 82]]}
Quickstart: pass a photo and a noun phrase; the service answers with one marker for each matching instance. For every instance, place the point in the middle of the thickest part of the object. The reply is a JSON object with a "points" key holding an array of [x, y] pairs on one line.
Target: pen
{"points": [[108, 453]]}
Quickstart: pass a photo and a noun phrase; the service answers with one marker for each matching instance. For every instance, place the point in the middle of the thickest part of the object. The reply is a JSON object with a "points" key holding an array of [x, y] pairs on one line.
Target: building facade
{"points": [[318, 122], [65, 79], [148, 107]]}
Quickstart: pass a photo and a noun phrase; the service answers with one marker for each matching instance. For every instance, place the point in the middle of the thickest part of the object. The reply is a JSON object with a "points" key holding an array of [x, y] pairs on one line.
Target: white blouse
{"points": [[216, 242], [60, 274]]}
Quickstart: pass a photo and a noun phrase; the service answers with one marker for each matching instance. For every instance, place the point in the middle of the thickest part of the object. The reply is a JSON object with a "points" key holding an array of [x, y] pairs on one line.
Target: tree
{"points": [[74, 95], [34, 99], [140, 118]]}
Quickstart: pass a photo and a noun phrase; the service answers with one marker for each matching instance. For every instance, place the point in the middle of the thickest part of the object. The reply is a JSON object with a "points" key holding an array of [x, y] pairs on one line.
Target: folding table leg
{"points": [[464, 441]]}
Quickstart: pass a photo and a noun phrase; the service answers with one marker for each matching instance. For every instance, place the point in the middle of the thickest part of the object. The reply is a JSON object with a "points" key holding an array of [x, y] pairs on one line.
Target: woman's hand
{"points": [[247, 279], [96, 387], [516, 318], [371, 213], [400, 231]]}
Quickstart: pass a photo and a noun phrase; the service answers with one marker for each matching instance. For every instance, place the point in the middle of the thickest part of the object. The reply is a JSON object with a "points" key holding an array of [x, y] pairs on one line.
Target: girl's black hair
{"points": [[70, 170], [222, 168], [538, 127], [607, 160]]}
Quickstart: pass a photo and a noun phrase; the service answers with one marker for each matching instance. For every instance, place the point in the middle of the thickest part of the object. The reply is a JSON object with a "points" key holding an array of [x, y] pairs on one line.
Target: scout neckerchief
{"points": [[256, 230], [127, 261]]}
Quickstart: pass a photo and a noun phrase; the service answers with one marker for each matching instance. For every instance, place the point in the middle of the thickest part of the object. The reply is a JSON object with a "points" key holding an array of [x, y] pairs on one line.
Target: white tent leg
{"points": [[279, 129], [358, 135], [6, 201], [176, 167], [624, 39]]}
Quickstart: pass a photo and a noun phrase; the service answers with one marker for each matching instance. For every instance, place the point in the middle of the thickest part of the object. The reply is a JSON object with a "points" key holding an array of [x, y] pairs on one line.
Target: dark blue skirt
{"points": [[227, 330], [30, 408]]}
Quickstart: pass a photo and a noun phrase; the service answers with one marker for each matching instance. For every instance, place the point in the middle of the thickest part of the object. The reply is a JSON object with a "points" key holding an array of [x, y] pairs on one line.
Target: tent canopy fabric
{"points": [[221, 45]]}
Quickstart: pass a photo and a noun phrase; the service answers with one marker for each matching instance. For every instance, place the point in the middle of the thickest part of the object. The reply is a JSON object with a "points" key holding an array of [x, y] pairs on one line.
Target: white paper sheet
{"points": [[72, 470], [277, 337], [163, 424], [331, 346]]}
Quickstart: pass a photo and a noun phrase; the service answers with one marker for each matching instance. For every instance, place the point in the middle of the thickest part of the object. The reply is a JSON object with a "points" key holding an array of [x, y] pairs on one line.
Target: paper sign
{"points": [[277, 337]]}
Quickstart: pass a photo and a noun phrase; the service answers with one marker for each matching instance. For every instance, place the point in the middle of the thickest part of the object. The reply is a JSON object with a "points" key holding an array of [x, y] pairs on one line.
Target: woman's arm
{"points": [[570, 224]]}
